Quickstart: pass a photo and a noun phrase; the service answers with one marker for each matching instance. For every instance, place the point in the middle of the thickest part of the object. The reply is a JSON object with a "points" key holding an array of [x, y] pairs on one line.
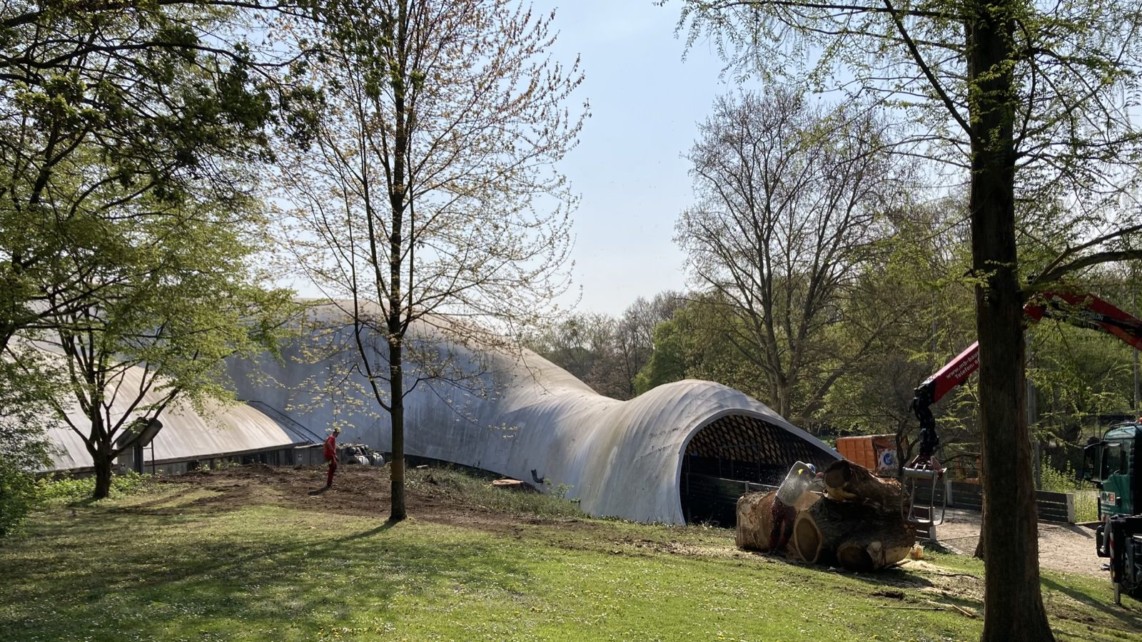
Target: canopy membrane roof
{"points": [[512, 412], [498, 408]]}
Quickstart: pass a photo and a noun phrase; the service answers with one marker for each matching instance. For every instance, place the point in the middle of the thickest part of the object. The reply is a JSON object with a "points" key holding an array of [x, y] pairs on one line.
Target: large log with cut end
{"points": [[853, 535], [876, 548], [817, 531], [755, 519], [860, 523]]}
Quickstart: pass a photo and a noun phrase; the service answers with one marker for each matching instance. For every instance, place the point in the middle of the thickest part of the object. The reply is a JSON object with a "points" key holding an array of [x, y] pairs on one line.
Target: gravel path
{"points": [[1068, 548]]}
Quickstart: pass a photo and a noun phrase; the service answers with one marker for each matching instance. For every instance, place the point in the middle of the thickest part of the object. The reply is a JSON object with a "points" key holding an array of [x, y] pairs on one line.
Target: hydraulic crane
{"points": [[1083, 310]]}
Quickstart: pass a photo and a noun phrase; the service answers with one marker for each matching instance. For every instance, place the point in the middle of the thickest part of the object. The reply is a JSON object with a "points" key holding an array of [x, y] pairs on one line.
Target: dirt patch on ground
{"points": [[1068, 548], [365, 491]]}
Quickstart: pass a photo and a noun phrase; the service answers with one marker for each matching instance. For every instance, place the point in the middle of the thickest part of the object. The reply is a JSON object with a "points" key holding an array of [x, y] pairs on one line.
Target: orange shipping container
{"points": [[875, 452]]}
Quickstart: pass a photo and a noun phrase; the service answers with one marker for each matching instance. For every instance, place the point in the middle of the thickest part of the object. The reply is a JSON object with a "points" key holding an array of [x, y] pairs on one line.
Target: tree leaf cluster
{"points": [[131, 136]]}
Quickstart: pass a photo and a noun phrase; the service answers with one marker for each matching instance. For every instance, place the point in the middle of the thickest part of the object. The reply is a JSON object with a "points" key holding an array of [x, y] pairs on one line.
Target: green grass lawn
{"points": [[168, 562]]}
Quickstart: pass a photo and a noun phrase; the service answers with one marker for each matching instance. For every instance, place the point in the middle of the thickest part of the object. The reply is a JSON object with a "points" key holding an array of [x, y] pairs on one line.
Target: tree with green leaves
{"points": [[152, 317], [112, 115], [790, 197], [429, 194], [634, 334], [695, 343], [24, 446], [917, 311], [1031, 101], [158, 98]]}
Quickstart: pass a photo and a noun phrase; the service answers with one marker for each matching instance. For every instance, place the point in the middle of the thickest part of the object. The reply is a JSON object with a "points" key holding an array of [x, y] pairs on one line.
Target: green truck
{"points": [[1111, 462]]}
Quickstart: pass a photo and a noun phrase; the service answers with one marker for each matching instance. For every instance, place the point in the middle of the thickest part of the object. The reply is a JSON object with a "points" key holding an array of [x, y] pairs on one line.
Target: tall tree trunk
{"points": [[1010, 533], [399, 194]]}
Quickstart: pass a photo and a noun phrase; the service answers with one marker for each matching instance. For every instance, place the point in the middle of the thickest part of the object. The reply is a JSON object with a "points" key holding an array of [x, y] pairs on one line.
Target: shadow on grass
{"points": [[1129, 616], [148, 575]]}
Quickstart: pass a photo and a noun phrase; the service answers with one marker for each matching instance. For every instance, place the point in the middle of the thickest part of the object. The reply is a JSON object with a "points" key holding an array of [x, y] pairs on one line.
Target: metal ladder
{"points": [[922, 480]]}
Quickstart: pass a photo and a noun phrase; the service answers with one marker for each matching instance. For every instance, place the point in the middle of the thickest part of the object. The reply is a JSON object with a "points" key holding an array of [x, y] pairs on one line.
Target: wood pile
{"points": [[857, 522]]}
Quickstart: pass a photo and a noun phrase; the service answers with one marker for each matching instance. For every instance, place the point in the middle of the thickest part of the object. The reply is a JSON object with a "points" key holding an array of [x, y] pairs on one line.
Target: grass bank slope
{"points": [[248, 554]]}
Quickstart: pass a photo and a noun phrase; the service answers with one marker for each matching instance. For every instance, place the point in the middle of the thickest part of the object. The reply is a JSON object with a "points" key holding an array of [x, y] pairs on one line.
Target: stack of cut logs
{"points": [[856, 523]]}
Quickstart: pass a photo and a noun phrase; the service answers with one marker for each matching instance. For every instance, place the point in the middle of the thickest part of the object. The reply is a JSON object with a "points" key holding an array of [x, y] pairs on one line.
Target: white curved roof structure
{"points": [[215, 429], [661, 457], [530, 420], [188, 434]]}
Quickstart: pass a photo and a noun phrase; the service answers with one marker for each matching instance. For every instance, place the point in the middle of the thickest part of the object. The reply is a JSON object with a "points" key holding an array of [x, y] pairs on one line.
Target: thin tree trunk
{"points": [[399, 194], [102, 464], [398, 511], [1010, 536]]}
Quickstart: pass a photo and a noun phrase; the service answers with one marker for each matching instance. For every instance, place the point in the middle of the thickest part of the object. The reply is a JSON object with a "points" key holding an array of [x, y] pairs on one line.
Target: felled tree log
{"points": [[755, 519], [860, 523], [877, 548], [849, 482], [853, 535]]}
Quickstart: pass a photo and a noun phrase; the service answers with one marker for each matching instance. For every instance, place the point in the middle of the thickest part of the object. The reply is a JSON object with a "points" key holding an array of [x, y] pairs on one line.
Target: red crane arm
{"points": [[954, 373], [1087, 311], [1083, 310]]}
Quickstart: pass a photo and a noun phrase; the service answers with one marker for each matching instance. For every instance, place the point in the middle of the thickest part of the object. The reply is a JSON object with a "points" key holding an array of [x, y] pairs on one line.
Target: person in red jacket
{"points": [[331, 456]]}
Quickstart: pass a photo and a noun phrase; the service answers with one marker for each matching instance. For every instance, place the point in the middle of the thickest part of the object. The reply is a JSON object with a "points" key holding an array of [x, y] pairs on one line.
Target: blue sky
{"points": [[646, 103], [628, 170]]}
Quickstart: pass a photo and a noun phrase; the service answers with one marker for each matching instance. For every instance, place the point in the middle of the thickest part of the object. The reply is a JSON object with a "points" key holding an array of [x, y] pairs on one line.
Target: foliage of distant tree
{"points": [[585, 346], [634, 334], [790, 203], [604, 352], [1080, 375], [696, 343], [917, 317]]}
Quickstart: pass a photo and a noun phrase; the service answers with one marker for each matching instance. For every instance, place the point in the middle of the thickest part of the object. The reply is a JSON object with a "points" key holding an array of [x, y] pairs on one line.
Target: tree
{"points": [[155, 97], [430, 193], [606, 353], [1027, 99], [787, 216], [585, 345], [119, 121], [152, 317], [634, 335], [916, 316], [1080, 376], [23, 442], [695, 342]]}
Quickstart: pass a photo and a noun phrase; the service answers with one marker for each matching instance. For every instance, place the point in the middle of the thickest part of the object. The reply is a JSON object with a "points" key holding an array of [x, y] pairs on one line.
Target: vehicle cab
{"points": [[1112, 464]]}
